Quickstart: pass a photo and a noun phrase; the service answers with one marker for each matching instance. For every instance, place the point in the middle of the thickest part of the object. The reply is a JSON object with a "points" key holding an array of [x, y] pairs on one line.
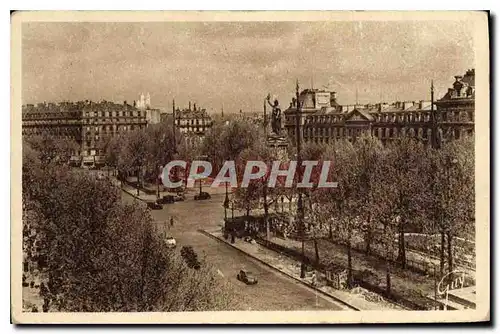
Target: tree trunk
{"points": [[330, 232], [138, 182], [402, 246], [368, 241], [450, 256], [349, 265], [349, 261], [441, 257], [303, 263], [368, 236], [316, 250], [387, 262], [142, 304], [266, 212]]}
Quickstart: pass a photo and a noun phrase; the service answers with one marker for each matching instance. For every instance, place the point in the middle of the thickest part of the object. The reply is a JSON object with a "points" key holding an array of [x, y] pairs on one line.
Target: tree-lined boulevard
{"points": [[96, 248]]}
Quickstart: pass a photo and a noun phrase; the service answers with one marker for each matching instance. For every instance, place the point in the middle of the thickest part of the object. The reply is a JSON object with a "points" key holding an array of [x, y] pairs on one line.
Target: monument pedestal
{"points": [[279, 144]]}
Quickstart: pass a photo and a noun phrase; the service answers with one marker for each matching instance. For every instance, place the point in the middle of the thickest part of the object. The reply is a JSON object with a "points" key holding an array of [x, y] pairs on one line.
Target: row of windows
{"points": [[193, 122], [114, 127], [120, 113], [446, 116], [87, 114], [457, 116], [54, 115], [193, 129], [383, 133], [309, 132], [62, 122], [113, 120]]}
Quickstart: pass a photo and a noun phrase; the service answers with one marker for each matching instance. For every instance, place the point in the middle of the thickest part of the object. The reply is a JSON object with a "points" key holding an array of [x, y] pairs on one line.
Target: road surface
{"points": [[274, 292]]}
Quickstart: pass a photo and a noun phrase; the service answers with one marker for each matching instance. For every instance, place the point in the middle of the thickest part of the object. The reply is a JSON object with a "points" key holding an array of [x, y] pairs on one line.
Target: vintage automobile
{"points": [[246, 277], [154, 205], [179, 197], [167, 199], [250, 240], [171, 243], [202, 196]]}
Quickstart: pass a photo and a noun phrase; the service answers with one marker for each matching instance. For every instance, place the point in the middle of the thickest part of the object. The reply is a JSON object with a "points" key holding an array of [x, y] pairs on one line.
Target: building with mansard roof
{"points": [[193, 122], [87, 123], [321, 122]]}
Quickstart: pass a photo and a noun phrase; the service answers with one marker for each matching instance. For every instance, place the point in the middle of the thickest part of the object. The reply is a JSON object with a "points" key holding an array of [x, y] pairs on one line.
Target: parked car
{"points": [[154, 205], [171, 243], [202, 196], [246, 277], [179, 197], [167, 199], [249, 239]]}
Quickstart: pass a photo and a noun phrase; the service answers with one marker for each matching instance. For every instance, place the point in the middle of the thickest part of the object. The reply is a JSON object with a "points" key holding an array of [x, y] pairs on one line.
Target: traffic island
{"points": [[356, 299]]}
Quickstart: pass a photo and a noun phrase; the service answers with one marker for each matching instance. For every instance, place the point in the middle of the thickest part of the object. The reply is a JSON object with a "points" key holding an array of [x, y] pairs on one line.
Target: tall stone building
{"points": [[313, 101], [324, 121], [62, 121], [192, 122], [90, 125], [455, 110]]}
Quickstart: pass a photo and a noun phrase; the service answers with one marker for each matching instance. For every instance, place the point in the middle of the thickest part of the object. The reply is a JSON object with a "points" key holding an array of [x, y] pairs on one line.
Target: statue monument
{"points": [[275, 116], [275, 138]]}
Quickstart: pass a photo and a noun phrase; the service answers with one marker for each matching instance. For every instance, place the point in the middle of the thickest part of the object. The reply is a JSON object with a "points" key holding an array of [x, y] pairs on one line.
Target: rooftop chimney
{"points": [[424, 104], [407, 104], [189, 105], [333, 98]]}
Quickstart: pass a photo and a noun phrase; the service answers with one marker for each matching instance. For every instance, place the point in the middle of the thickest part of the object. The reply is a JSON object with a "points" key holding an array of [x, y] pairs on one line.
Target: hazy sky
{"points": [[238, 64]]}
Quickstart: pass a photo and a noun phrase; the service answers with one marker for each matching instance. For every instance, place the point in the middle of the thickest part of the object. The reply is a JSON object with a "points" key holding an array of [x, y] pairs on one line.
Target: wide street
{"points": [[274, 290]]}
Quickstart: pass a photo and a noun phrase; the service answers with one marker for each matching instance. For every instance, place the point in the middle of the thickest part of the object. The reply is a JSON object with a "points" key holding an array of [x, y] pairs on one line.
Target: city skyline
{"points": [[201, 62]]}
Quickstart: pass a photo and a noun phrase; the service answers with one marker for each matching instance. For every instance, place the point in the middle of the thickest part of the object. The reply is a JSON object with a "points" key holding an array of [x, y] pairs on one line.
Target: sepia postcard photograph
{"points": [[250, 167]]}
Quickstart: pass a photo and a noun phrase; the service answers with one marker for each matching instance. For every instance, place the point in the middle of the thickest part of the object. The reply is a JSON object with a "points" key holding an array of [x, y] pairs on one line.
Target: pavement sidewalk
{"points": [[405, 282], [358, 298]]}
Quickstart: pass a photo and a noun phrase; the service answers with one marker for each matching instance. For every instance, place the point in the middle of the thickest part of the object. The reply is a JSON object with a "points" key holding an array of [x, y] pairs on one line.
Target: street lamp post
{"points": [[138, 182], [451, 162], [435, 286], [226, 204], [300, 205], [158, 183]]}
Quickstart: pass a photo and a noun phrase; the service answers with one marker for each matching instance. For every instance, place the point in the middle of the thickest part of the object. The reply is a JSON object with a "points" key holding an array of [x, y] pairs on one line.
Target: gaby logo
{"points": [[253, 170]]}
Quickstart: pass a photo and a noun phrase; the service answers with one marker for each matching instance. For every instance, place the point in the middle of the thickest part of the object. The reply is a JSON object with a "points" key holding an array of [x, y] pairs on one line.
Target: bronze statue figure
{"points": [[276, 115]]}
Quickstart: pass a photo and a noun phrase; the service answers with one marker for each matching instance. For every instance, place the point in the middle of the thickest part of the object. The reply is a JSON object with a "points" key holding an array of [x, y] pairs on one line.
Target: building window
{"points": [[470, 116], [444, 116]]}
